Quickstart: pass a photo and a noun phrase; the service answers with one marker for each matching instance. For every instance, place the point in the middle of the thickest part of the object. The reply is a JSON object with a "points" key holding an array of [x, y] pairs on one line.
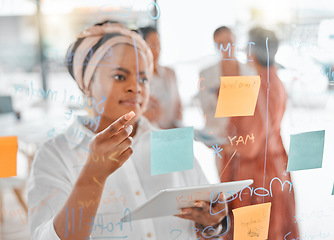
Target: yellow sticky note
{"points": [[252, 222], [237, 96], [8, 154]]}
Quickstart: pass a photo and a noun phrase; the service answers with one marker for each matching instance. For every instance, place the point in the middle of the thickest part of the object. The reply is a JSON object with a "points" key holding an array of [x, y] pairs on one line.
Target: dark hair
{"points": [[259, 36], [144, 31], [221, 29]]}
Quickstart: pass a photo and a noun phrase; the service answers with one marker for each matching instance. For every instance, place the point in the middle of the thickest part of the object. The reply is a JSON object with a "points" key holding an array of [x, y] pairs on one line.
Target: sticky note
{"points": [[8, 154], [172, 150], [252, 222], [306, 150], [333, 190], [237, 96]]}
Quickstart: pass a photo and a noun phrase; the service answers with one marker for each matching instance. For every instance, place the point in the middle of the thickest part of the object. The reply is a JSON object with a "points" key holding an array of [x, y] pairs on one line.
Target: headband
{"points": [[94, 43]]}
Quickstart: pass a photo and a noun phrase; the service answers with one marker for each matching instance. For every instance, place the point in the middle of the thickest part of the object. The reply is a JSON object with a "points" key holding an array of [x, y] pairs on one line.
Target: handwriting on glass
{"points": [[241, 139]]}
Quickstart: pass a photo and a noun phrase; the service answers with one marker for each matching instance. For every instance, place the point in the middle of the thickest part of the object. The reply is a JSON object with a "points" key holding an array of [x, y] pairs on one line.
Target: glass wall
{"points": [[35, 36]]}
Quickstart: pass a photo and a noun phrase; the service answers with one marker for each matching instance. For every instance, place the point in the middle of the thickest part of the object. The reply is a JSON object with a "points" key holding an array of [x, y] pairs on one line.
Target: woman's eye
{"points": [[119, 77], [144, 80]]}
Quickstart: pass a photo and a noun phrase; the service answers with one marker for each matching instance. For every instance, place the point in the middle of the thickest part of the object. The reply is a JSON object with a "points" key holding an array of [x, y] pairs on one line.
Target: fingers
{"points": [[112, 147], [118, 144], [186, 213], [123, 146], [126, 155], [200, 209], [220, 206], [118, 124], [201, 213], [198, 215], [122, 135]]}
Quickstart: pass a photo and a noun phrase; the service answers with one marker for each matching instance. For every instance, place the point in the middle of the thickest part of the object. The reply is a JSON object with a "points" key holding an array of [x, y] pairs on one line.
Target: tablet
{"points": [[169, 201]]}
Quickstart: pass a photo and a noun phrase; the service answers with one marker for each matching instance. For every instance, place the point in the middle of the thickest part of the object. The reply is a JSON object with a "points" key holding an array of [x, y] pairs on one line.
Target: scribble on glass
{"points": [[253, 232], [217, 150], [157, 8]]}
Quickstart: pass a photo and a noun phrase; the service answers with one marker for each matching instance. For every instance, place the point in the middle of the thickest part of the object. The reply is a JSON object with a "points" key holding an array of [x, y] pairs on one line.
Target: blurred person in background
{"points": [[164, 108], [251, 161], [228, 65], [88, 200]]}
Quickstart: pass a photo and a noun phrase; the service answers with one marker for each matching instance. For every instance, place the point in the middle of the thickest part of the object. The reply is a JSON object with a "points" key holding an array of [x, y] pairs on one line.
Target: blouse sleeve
{"points": [[48, 188]]}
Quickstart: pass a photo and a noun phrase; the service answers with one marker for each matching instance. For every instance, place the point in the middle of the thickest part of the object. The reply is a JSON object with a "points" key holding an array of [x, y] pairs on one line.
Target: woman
{"points": [[164, 108], [228, 65], [263, 157], [88, 200]]}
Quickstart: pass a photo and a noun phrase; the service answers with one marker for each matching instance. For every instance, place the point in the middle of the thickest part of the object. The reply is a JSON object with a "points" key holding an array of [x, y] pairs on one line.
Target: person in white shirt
{"points": [[228, 65], [86, 199], [164, 109]]}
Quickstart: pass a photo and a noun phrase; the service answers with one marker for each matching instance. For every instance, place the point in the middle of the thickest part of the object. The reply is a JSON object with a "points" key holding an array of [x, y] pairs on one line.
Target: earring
{"points": [[89, 105], [89, 102]]}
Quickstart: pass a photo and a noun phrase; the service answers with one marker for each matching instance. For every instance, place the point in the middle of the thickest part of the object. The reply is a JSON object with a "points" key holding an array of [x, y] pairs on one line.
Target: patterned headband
{"points": [[94, 43]]}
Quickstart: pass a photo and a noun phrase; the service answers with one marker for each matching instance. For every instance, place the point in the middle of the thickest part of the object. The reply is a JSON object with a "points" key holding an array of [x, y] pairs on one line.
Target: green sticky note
{"points": [[333, 190], [306, 150], [172, 150]]}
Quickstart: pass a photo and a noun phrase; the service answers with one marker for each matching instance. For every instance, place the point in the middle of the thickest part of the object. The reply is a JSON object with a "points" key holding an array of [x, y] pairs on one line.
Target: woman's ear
{"points": [[88, 92], [93, 77]]}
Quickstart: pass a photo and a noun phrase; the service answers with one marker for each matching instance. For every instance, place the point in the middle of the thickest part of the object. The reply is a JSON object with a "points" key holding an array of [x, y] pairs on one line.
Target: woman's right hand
{"points": [[111, 148]]}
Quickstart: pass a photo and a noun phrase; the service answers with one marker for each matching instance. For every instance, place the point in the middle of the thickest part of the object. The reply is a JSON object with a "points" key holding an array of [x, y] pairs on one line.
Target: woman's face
{"points": [[123, 81], [153, 41], [225, 38]]}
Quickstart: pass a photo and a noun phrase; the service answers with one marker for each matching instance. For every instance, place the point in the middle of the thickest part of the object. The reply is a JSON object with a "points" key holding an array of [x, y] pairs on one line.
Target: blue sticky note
{"points": [[306, 150], [172, 150]]}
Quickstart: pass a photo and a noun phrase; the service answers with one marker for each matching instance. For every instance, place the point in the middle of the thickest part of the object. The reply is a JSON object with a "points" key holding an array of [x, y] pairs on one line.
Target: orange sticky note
{"points": [[251, 222], [237, 96], [8, 154]]}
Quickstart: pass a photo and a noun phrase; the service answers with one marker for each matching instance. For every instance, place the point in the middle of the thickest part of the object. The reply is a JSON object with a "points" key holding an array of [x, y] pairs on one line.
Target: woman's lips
{"points": [[130, 102]]}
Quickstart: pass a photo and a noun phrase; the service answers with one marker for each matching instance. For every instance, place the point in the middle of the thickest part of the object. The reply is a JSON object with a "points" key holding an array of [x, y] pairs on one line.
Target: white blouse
{"points": [[57, 166]]}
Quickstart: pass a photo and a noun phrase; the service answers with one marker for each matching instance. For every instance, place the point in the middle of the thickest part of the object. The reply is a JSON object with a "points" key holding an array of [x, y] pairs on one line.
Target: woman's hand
{"points": [[154, 110], [111, 147], [206, 214], [109, 151]]}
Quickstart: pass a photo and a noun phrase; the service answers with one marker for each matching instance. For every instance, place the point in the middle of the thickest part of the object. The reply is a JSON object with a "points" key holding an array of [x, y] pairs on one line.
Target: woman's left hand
{"points": [[205, 213]]}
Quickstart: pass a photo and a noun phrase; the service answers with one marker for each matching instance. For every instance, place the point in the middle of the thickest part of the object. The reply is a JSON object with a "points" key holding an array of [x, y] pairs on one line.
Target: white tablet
{"points": [[169, 201]]}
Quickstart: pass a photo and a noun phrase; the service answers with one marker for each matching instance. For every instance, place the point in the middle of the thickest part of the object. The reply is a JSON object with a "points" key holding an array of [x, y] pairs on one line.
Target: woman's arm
{"points": [[114, 145]]}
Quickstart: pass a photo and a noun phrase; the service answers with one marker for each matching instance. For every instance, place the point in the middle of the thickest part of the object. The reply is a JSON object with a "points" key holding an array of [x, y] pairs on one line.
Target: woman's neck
{"points": [[230, 68]]}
